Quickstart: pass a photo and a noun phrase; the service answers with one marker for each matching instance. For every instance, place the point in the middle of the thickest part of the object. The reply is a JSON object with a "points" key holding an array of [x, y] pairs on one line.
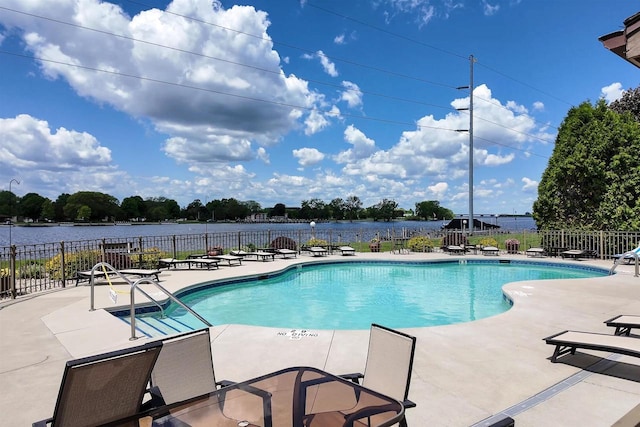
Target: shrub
{"points": [[31, 271], [420, 244], [317, 242], [150, 257], [77, 261], [283, 242], [488, 241]]}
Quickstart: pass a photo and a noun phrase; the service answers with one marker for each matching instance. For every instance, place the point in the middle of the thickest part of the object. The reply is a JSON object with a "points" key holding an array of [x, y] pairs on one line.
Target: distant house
{"points": [[625, 43]]}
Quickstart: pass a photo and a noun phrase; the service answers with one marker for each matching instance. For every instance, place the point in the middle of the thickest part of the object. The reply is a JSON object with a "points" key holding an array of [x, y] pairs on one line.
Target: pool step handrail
{"points": [[635, 254], [134, 286]]}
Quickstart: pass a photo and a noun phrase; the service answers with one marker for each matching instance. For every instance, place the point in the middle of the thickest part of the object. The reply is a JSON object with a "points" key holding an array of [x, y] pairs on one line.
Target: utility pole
{"points": [[472, 60], [471, 223]]}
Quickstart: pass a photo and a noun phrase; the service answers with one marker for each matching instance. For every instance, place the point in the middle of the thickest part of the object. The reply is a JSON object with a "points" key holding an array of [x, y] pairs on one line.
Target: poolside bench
{"points": [[199, 262]]}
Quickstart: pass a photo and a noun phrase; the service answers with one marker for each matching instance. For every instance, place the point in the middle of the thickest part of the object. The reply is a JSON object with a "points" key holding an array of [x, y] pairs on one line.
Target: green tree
{"points": [[628, 102], [591, 181], [338, 208], [102, 206], [30, 206], [314, 209], [161, 208], [8, 203], [278, 210], [133, 207], [431, 209], [59, 205], [353, 206], [253, 206], [48, 210], [387, 209], [192, 211], [84, 213]]}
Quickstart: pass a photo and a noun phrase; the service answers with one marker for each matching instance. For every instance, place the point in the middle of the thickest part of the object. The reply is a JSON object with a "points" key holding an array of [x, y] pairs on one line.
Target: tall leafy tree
{"points": [[30, 206], [338, 208], [387, 209], [591, 181], [431, 209], [628, 102], [101, 206], [133, 207], [8, 203], [353, 206]]}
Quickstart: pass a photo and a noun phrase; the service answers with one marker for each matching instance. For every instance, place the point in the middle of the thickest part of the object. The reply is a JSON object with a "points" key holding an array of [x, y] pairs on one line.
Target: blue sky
{"points": [[288, 100]]}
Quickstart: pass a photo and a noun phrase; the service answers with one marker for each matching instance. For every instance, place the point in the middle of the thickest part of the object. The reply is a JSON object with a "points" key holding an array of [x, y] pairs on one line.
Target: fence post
{"points": [[239, 240], [173, 242], [12, 270], [141, 250], [62, 264]]}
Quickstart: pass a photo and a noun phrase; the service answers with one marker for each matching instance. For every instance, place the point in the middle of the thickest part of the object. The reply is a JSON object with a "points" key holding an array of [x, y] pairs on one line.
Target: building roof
{"points": [[625, 43]]}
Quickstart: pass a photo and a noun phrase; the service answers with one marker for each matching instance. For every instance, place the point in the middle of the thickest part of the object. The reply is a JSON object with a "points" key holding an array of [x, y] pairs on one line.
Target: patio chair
{"points": [[184, 368], [104, 388], [389, 364]]}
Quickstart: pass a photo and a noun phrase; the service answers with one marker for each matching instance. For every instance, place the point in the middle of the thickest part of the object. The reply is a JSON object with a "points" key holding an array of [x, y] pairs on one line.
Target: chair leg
{"points": [[403, 423]]}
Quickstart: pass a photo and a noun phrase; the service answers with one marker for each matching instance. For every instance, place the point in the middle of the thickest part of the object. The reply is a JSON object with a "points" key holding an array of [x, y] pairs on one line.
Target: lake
{"points": [[28, 235]]}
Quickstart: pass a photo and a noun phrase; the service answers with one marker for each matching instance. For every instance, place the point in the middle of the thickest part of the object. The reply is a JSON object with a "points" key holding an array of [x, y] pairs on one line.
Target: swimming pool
{"points": [[352, 295]]}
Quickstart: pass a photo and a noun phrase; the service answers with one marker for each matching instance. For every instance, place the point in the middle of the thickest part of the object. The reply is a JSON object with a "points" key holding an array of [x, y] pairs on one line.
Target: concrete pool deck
{"points": [[462, 373]]}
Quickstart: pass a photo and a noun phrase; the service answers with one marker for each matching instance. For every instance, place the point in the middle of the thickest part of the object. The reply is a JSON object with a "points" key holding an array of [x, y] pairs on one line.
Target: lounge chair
{"points": [[184, 368], [490, 250], [630, 419], [535, 252], [286, 253], [199, 262], [347, 250], [623, 323], [455, 250], [578, 253], [101, 389], [627, 257], [389, 364], [228, 258], [568, 341], [263, 255], [317, 251]]}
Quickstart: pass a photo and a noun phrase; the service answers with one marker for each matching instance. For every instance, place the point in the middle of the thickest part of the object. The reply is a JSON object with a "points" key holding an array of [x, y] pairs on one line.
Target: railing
{"points": [[634, 255], [28, 269], [108, 269]]}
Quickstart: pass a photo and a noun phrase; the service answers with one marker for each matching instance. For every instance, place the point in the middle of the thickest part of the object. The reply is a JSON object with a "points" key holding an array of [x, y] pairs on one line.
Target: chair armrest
{"points": [[42, 423], [368, 412], [353, 377], [408, 403]]}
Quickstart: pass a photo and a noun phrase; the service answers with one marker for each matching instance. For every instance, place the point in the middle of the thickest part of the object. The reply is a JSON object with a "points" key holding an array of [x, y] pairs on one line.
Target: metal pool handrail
{"points": [[134, 287]]}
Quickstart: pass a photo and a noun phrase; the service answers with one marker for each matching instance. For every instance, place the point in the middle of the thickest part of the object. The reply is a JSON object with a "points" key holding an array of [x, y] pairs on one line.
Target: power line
{"points": [[277, 72], [248, 66], [418, 42], [218, 92]]}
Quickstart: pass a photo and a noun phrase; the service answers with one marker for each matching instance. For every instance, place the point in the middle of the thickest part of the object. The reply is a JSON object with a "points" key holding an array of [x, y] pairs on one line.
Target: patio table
{"points": [[293, 397]]}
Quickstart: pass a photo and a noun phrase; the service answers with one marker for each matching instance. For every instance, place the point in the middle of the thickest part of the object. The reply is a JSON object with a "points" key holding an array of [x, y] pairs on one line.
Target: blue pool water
{"points": [[353, 295]]}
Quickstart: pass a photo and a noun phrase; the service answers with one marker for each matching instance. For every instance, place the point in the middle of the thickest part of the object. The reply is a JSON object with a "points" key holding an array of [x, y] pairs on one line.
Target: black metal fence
{"points": [[32, 268]]}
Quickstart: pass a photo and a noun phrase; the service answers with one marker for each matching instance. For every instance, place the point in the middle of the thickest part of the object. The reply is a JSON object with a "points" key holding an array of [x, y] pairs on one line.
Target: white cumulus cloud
{"points": [[612, 92]]}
